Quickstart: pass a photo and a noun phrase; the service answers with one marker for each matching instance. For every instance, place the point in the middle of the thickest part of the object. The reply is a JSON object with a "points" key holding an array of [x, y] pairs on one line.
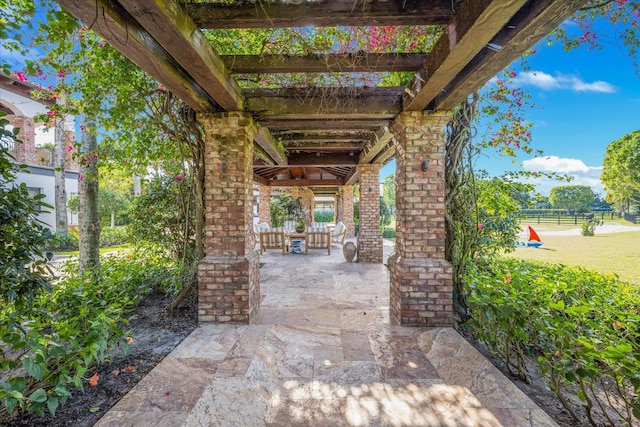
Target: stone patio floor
{"points": [[323, 352]]}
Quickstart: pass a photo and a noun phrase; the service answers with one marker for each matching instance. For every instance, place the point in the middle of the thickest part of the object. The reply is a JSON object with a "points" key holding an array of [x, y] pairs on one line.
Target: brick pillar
{"points": [[346, 209], [25, 152], [369, 236], [306, 198], [228, 276], [264, 203], [335, 209], [421, 279]]}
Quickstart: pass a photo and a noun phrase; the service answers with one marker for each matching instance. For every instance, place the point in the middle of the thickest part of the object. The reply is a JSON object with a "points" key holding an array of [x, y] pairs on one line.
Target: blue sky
{"points": [[585, 99]]}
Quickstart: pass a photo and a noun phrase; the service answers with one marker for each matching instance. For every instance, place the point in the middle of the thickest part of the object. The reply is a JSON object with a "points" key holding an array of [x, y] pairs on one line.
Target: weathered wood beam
{"points": [[167, 22], [344, 63], [328, 159], [112, 22], [476, 23], [346, 138], [260, 180], [266, 141], [261, 154], [323, 146], [321, 14], [304, 182], [331, 108], [24, 89], [353, 177], [324, 124], [373, 147], [533, 22], [385, 154]]}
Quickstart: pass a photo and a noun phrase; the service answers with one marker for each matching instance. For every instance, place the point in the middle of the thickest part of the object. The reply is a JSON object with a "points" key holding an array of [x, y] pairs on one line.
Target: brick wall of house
{"points": [[421, 284], [369, 236], [25, 152], [228, 276]]}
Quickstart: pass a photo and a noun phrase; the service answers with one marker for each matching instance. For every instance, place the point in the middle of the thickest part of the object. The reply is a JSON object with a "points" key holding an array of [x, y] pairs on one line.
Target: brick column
{"points": [[346, 209], [306, 198], [369, 236], [264, 203], [335, 209], [228, 276], [25, 152], [421, 285]]}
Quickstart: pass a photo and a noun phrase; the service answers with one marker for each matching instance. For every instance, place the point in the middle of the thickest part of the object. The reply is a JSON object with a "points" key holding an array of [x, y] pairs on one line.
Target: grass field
{"points": [[617, 253]]}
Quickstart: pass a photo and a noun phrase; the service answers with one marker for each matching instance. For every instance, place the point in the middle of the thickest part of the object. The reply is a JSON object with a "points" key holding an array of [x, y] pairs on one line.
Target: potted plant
{"points": [[299, 225]]}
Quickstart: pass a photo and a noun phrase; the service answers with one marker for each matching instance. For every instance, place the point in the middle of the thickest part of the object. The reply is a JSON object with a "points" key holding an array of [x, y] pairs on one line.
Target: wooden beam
{"points": [[385, 154], [261, 154], [304, 182], [260, 180], [323, 146], [324, 124], [167, 22], [374, 146], [321, 14], [25, 89], [353, 177], [108, 19], [328, 159], [330, 108], [533, 22], [361, 62], [266, 141], [476, 23]]}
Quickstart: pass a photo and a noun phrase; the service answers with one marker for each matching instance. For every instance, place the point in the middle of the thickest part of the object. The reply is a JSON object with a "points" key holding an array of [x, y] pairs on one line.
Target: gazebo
{"points": [[325, 139]]}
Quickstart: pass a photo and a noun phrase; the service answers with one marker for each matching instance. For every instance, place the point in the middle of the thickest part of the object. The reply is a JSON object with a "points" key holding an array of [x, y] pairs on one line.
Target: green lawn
{"points": [[102, 250], [617, 253]]}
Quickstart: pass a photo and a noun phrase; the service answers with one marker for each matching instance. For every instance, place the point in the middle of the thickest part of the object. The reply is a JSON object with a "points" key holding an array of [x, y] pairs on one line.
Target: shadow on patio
{"points": [[323, 352]]}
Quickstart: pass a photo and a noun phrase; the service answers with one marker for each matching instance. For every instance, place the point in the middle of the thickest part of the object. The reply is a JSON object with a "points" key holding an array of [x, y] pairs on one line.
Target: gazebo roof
{"points": [[316, 135]]}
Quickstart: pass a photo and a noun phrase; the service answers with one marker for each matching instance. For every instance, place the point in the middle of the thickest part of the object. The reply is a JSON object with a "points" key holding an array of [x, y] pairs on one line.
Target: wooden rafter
{"points": [[321, 14], [335, 63], [304, 182], [526, 28], [324, 124], [377, 143], [328, 159], [176, 32], [266, 141], [476, 23], [112, 22]]}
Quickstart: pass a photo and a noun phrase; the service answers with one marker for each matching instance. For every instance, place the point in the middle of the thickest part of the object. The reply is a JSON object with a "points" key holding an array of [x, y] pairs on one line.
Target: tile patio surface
{"points": [[324, 352]]}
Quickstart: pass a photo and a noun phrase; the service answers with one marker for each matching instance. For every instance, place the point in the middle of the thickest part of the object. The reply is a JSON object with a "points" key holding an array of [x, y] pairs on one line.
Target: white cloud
{"points": [[580, 173], [545, 81]]}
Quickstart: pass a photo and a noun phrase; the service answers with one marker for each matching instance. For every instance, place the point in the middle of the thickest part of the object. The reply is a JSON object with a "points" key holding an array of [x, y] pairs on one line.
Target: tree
{"points": [[389, 193], [62, 224], [22, 261], [89, 216], [573, 198], [621, 171]]}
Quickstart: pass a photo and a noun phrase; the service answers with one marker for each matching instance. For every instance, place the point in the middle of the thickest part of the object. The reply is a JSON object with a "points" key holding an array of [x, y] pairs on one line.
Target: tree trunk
{"points": [[88, 217], [62, 223], [113, 219]]}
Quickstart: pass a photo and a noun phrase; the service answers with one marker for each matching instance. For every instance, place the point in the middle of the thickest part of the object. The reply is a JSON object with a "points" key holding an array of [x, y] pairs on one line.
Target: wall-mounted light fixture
{"points": [[425, 165], [223, 167]]}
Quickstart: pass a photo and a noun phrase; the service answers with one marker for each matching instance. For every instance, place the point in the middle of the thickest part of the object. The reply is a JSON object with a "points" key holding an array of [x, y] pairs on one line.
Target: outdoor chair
{"points": [[339, 233], [289, 226], [273, 238], [318, 238]]}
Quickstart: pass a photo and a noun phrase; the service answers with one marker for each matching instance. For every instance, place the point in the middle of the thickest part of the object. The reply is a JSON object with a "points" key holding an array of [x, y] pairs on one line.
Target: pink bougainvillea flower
{"points": [[20, 76], [507, 279]]}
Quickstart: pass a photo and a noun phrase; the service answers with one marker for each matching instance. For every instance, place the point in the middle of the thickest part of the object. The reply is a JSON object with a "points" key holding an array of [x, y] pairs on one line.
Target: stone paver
{"points": [[323, 351]]}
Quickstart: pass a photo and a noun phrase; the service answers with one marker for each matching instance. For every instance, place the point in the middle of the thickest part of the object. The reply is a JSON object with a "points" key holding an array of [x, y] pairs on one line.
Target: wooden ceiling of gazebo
{"points": [[325, 132]]}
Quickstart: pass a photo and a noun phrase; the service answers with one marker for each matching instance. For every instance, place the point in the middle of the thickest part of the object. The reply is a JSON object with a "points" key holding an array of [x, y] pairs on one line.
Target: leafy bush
{"points": [[589, 226], [583, 327], [323, 216], [113, 236], [389, 233], [51, 348]]}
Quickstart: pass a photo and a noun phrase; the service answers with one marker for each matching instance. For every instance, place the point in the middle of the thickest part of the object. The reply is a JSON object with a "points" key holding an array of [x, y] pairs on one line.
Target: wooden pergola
{"points": [[325, 138], [323, 141]]}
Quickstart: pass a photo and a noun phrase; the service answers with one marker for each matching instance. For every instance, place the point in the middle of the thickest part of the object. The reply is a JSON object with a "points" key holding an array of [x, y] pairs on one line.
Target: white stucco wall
{"points": [[43, 179]]}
